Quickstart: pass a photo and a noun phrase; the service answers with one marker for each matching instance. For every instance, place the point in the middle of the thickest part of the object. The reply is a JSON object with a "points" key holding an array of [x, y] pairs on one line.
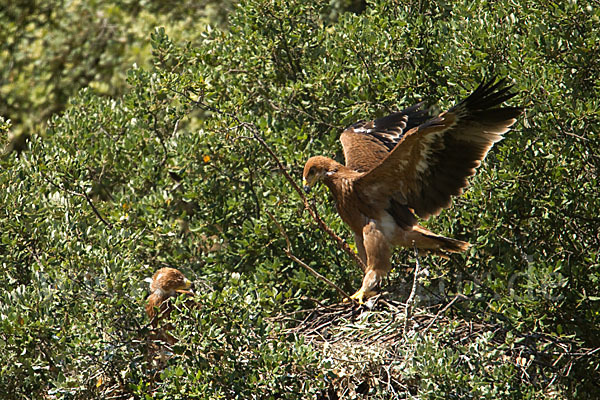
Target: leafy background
{"points": [[129, 131]]}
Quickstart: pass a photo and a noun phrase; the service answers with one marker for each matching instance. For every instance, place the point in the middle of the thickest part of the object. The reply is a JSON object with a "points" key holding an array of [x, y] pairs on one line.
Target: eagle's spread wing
{"points": [[432, 161], [366, 143]]}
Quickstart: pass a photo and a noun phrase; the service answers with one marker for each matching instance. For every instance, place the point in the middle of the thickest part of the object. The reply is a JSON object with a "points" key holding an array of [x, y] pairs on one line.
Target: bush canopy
{"points": [[131, 146]]}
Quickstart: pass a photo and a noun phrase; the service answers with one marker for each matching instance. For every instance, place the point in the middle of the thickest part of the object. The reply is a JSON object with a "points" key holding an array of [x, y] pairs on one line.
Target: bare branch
{"points": [[411, 298], [94, 208], [311, 209], [288, 252], [84, 195], [442, 311]]}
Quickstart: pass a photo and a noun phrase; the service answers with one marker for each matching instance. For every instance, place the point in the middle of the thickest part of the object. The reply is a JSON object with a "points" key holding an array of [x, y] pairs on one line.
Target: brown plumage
{"points": [[409, 164], [165, 283]]}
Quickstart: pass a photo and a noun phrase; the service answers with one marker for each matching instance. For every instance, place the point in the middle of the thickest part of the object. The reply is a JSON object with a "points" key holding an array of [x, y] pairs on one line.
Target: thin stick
{"points": [[94, 209], [311, 209], [442, 311], [84, 195], [288, 251], [413, 292]]}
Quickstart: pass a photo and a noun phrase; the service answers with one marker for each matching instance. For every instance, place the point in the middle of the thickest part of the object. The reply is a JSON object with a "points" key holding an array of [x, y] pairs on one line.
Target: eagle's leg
{"points": [[360, 246], [378, 252]]}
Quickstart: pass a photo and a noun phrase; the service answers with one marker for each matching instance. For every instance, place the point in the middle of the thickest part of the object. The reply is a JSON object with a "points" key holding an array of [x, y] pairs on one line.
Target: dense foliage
{"points": [[166, 170]]}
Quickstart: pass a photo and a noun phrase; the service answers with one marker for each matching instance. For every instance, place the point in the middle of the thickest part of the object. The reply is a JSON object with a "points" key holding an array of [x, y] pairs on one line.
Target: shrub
{"points": [[169, 171]]}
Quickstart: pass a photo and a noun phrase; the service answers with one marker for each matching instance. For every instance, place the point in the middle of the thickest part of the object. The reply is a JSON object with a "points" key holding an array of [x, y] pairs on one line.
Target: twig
{"points": [[175, 128], [411, 298], [288, 251], [311, 209], [375, 336], [84, 195], [93, 208], [575, 135], [442, 311]]}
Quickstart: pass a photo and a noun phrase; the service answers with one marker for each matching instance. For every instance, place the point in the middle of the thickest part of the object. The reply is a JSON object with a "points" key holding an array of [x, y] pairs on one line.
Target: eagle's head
{"points": [[165, 282], [316, 169], [169, 281]]}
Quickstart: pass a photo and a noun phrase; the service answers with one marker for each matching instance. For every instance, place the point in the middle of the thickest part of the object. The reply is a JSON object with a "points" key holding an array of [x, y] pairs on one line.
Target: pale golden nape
{"points": [[407, 165]]}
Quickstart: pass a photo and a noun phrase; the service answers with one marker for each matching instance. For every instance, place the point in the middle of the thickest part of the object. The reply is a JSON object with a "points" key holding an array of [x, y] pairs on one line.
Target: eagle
{"points": [[165, 283], [408, 165]]}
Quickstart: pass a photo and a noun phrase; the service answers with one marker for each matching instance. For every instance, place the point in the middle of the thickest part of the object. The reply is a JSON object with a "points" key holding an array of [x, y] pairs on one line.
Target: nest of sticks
{"points": [[373, 345]]}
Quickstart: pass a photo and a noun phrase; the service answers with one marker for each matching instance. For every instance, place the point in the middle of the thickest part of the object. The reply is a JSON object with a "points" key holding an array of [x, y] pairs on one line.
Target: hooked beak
{"points": [[305, 186], [187, 287]]}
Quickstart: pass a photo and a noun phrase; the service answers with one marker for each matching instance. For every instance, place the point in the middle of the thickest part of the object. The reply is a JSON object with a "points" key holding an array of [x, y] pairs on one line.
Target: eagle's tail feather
{"points": [[437, 243], [450, 245]]}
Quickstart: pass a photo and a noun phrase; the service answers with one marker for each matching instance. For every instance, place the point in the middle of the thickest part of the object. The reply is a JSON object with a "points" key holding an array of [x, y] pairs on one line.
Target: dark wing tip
{"points": [[489, 94], [389, 130]]}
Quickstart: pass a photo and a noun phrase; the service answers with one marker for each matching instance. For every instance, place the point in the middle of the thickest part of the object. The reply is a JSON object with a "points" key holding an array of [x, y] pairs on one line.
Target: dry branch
{"points": [[84, 195], [411, 298], [310, 207], [288, 252], [256, 135]]}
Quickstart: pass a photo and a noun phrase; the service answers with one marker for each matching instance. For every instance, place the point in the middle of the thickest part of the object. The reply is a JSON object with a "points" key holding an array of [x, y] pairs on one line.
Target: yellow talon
{"points": [[361, 296]]}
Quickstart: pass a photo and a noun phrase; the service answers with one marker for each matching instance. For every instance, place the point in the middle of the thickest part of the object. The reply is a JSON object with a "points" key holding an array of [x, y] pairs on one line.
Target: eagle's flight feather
{"points": [[408, 165]]}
